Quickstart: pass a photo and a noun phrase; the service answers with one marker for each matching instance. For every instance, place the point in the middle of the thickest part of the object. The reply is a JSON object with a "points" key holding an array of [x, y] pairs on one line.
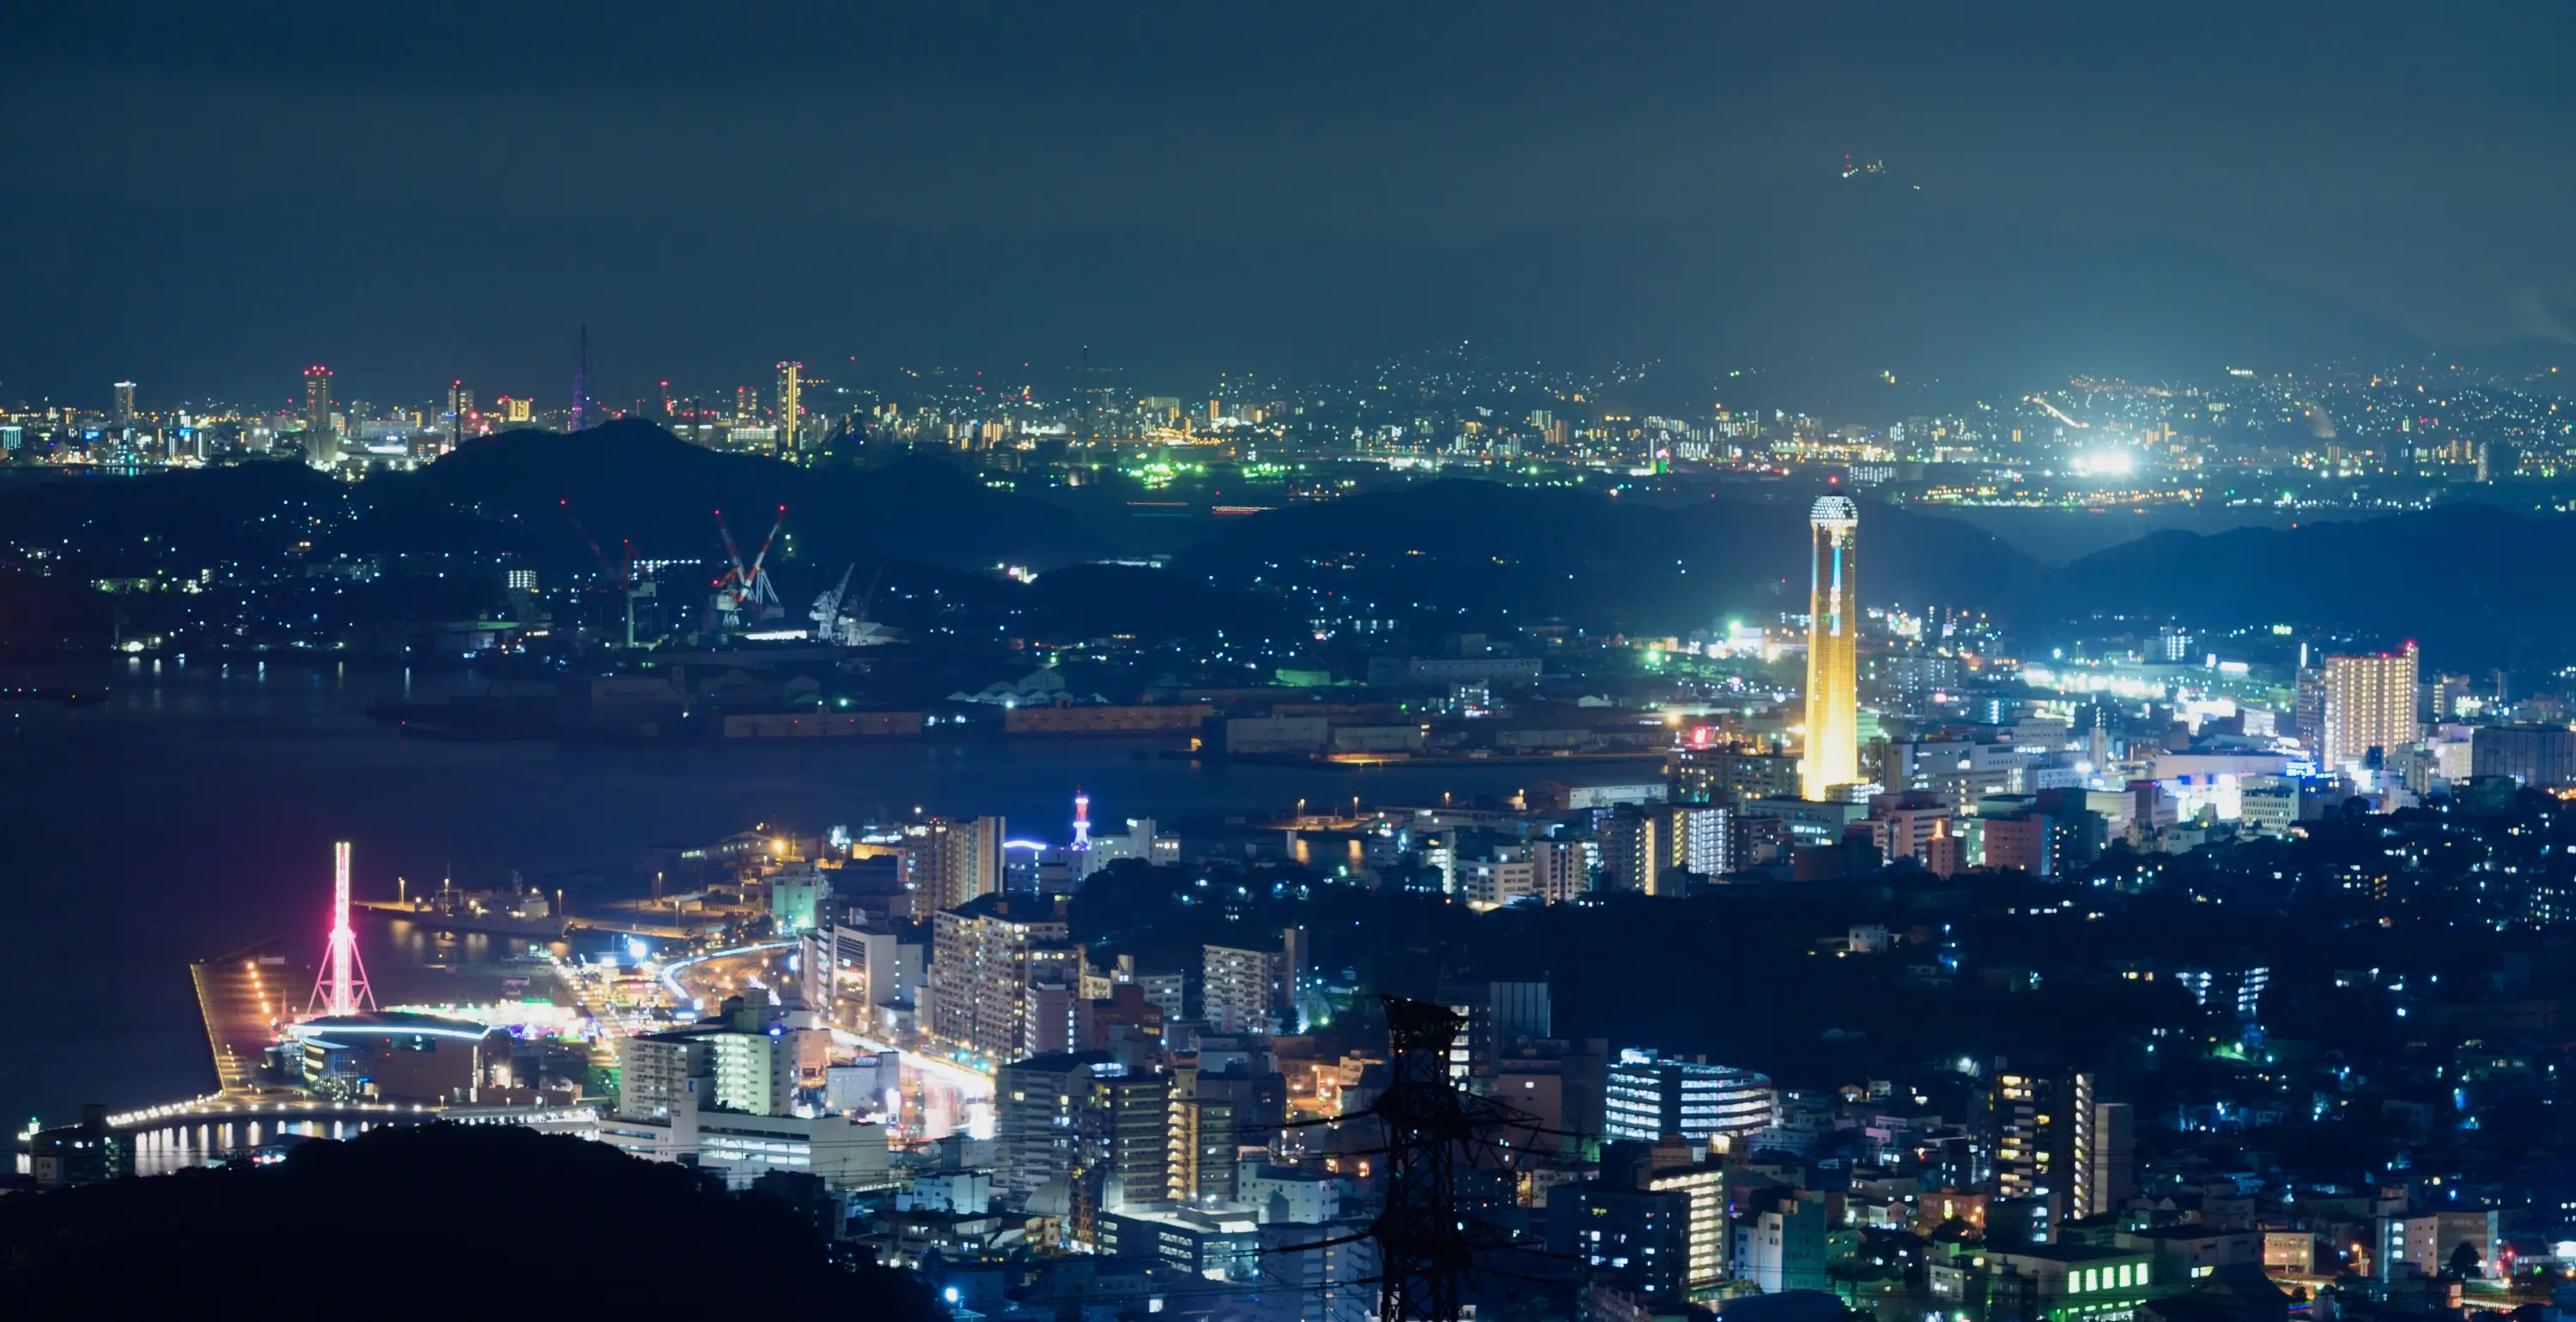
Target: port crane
{"points": [[620, 573], [831, 625], [750, 590]]}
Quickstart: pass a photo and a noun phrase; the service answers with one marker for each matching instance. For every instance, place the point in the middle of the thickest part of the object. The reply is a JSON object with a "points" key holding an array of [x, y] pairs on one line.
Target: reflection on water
{"points": [[179, 1146], [200, 802], [424, 964]]}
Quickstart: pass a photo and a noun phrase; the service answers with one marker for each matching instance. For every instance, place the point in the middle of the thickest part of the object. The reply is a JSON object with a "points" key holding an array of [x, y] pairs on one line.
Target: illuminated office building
{"points": [[1649, 1097], [1833, 628], [2369, 705]]}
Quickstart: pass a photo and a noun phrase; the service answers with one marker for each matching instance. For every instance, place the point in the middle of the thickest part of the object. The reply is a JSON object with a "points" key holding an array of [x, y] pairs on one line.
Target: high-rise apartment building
{"points": [[791, 408], [1636, 1241], [1502, 1018], [1728, 775], [2308, 704], [1561, 870], [946, 864], [1631, 851], [2369, 705], [755, 1072], [1833, 653], [1649, 849], [1127, 1139], [320, 439], [2103, 1180], [1699, 839], [1077, 1133], [655, 1073], [2052, 1137], [1051, 1000], [317, 399], [124, 408], [1205, 1131], [985, 956], [1253, 991]]}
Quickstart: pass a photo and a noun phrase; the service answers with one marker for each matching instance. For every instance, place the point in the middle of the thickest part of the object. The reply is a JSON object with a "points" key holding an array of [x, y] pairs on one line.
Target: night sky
{"points": [[206, 198]]}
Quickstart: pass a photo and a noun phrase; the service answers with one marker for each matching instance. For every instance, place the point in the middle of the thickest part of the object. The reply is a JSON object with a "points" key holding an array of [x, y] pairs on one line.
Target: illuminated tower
{"points": [[124, 403], [580, 418], [1081, 822], [342, 987], [1833, 671]]}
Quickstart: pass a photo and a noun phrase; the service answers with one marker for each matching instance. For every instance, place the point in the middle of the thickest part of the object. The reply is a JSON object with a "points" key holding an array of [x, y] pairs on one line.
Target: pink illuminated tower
{"points": [[1081, 822], [342, 987]]}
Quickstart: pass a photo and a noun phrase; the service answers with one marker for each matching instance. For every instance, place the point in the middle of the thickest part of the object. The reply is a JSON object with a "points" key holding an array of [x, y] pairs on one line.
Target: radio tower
{"points": [[342, 987], [1081, 822], [581, 386]]}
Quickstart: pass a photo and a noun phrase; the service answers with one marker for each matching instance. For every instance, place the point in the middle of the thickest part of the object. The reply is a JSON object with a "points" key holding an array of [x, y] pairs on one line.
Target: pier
{"points": [[246, 1001]]}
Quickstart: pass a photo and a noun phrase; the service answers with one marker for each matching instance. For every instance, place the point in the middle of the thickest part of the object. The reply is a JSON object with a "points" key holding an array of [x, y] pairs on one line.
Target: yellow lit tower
{"points": [[1833, 669], [791, 409]]}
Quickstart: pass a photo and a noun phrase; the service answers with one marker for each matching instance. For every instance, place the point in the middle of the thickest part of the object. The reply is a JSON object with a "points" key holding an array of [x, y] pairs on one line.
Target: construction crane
{"points": [[620, 573], [748, 589], [832, 624]]}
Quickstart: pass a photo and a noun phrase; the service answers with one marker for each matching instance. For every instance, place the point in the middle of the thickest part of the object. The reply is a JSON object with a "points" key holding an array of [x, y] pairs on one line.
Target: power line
{"points": [[1427, 1244]]}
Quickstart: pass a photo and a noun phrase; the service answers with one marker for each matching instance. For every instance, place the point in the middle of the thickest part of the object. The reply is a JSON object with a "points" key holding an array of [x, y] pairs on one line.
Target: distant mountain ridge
{"points": [[2468, 582], [631, 480], [2472, 583], [1650, 567]]}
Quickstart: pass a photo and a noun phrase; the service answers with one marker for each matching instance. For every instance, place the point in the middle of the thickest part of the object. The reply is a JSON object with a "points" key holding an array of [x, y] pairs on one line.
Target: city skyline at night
{"points": [[1157, 663]]}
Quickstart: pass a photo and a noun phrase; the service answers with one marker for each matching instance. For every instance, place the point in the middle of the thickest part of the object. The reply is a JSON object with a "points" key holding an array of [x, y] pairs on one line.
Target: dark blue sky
{"points": [[206, 198]]}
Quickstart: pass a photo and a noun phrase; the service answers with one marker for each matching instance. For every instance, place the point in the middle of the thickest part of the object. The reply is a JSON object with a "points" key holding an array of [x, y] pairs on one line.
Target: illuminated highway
{"points": [[671, 971], [972, 1084]]}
